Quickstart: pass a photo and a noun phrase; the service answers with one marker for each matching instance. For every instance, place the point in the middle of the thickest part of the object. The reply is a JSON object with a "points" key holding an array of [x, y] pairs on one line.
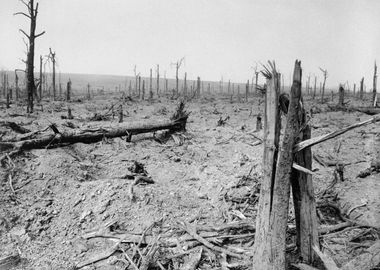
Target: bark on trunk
{"points": [[84, 136]]}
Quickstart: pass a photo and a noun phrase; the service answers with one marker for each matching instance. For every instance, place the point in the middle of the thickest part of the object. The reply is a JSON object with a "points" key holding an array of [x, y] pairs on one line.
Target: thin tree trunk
{"points": [[361, 88], [158, 81], [374, 85]]}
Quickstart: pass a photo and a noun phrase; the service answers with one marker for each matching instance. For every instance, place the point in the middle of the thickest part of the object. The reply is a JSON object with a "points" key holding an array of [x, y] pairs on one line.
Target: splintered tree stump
{"points": [[304, 200], [272, 125]]}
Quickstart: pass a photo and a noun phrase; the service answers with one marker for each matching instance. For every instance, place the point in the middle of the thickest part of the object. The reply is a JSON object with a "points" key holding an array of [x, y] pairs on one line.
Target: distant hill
{"points": [[113, 82]]}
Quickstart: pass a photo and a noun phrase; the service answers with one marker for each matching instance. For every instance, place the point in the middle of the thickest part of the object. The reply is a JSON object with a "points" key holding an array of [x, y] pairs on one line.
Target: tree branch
{"points": [[22, 31], [22, 13], [26, 4], [40, 34]]}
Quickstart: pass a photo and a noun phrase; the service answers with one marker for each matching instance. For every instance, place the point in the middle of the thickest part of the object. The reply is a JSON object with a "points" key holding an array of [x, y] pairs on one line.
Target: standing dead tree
{"points": [[41, 76], [198, 87], [341, 96], [246, 91], [151, 85], [16, 83], [374, 86], [52, 58], [68, 90], [158, 81], [361, 88], [137, 75], [185, 86], [177, 65], [315, 86], [32, 16], [324, 71]]}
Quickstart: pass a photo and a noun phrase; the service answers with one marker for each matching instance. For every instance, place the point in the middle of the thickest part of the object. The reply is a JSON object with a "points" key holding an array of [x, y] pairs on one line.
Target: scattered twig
{"points": [[191, 231]]}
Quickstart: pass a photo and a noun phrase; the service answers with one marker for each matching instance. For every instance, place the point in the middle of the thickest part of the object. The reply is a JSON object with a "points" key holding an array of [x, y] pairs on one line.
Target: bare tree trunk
{"points": [[130, 88], [374, 85], [176, 78], [354, 89], [139, 87], [88, 91], [246, 91], [151, 85], [361, 88], [341, 96], [68, 91], [198, 87], [158, 81], [185, 86], [315, 86], [40, 85], [257, 76], [52, 57], [143, 90], [16, 85], [229, 87]]}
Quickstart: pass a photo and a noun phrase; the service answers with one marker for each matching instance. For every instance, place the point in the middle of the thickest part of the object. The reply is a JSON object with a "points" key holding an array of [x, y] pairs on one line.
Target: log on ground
{"points": [[92, 136]]}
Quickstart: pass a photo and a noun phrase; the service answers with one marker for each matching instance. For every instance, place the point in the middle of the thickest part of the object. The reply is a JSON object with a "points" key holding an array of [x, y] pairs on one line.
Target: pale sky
{"points": [[216, 37]]}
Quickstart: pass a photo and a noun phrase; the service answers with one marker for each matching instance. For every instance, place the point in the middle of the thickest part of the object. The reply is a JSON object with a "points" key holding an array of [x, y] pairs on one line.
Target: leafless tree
{"points": [[32, 16], [158, 81], [177, 65], [324, 71], [53, 60], [374, 85]]}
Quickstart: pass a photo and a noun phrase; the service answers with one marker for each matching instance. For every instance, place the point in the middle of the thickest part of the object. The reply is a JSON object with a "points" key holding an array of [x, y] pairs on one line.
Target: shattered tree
{"points": [[32, 15], [271, 224]]}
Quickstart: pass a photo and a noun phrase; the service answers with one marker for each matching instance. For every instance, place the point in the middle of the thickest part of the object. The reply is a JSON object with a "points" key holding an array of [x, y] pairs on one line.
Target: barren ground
{"points": [[62, 193]]}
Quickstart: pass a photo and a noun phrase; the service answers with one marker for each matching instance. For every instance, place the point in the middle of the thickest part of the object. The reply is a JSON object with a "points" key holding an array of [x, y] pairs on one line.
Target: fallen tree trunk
{"points": [[366, 110], [91, 136]]}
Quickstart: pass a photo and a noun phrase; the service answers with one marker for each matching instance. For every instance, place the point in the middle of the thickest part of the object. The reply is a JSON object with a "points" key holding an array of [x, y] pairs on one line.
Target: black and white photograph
{"points": [[189, 135]]}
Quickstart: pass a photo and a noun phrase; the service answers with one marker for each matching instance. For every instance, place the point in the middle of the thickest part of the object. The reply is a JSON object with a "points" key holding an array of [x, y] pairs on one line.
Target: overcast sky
{"points": [[216, 37]]}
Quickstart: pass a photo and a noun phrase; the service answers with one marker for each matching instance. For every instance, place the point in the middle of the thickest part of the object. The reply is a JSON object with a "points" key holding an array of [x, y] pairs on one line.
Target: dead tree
{"points": [[324, 71], [354, 89], [341, 96], [32, 16], [361, 88], [151, 85], [68, 90], [374, 85], [88, 91], [41, 75], [143, 90], [229, 87], [271, 223], [139, 86], [52, 58], [158, 81], [315, 86], [246, 91], [177, 65], [130, 88], [185, 85], [137, 75], [198, 87]]}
